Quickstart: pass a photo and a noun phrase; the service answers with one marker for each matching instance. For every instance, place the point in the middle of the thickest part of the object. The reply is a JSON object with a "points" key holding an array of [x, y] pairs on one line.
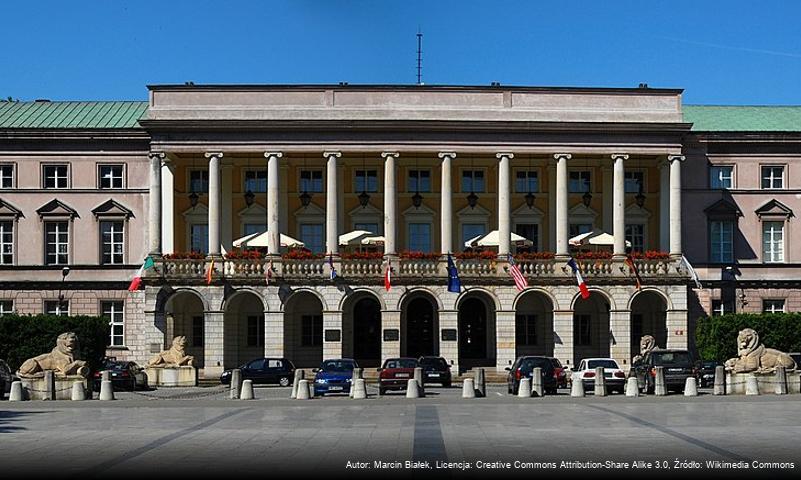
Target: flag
{"points": [[210, 272], [388, 276], [633, 268], [137, 280], [692, 271], [331, 265], [269, 274], [585, 293], [454, 282], [517, 275]]}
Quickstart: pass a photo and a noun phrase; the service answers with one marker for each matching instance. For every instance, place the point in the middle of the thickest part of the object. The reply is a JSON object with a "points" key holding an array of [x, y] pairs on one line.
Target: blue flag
{"points": [[333, 273], [454, 283]]}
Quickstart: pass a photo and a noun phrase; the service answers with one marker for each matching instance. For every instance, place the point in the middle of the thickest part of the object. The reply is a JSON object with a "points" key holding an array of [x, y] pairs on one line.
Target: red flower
{"points": [[185, 256], [415, 255], [361, 256]]}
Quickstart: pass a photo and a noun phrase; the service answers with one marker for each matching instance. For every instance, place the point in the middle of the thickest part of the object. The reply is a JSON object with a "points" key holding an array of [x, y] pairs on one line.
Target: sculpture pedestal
{"points": [[171, 376], [735, 383], [36, 389]]}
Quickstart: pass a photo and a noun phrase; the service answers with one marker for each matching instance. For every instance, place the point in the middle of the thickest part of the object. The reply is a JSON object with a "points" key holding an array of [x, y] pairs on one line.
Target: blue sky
{"points": [[721, 52]]}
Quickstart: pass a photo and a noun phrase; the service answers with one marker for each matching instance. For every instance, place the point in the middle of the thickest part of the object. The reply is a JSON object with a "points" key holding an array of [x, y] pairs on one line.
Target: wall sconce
{"points": [[249, 197], [417, 200], [472, 200], [364, 199], [530, 200], [305, 199], [586, 198]]}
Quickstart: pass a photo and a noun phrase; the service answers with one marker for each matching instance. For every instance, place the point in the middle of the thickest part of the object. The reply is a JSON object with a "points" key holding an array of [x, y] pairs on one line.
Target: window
{"points": [[114, 311], [529, 231], [420, 237], [311, 234], [579, 182], [370, 227], [312, 181], [472, 181], [57, 244], [199, 237], [635, 233], [199, 181], [6, 242], [721, 245], [527, 181], [57, 307], [719, 307], [112, 239], [55, 176], [311, 334], [772, 177], [6, 307], [110, 176], [721, 176], [255, 181], [366, 181], [419, 181], [579, 228], [472, 230], [772, 242], [773, 306], [255, 330], [255, 228], [7, 176], [581, 332], [526, 326], [197, 331], [634, 181]]}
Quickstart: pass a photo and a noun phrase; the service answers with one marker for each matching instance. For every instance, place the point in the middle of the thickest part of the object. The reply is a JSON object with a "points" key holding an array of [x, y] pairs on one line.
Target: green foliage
{"points": [[26, 336], [716, 337]]}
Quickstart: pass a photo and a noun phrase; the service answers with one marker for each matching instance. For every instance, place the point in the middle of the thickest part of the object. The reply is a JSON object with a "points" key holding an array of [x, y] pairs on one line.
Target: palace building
{"points": [[99, 186]]}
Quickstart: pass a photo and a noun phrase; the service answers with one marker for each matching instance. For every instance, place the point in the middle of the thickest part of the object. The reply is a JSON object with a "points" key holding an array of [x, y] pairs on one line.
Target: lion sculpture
{"points": [[647, 345], [174, 357], [61, 360], [754, 357]]}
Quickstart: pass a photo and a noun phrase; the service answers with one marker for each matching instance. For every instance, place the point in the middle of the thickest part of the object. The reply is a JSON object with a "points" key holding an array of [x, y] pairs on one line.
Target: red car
{"points": [[560, 373], [395, 374]]}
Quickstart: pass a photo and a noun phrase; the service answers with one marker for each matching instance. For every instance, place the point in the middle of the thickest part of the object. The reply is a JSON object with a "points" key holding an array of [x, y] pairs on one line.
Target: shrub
{"points": [[480, 255], [300, 254], [361, 255], [535, 256], [239, 254], [185, 256], [590, 255], [651, 255], [716, 337], [26, 336]]}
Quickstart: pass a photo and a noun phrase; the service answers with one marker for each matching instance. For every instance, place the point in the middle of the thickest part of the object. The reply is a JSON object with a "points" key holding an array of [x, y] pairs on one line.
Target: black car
{"points": [[678, 366], [264, 371], [435, 370], [524, 367], [706, 372], [124, 376]]}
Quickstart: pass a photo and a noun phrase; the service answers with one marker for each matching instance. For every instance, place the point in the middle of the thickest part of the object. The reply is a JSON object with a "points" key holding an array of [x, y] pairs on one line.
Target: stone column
{"points": [[390, 201], [504, 204], [608, 201], [563, 337], [676, 324], [619, 206], [675, 204], [504, 339], [213, 344], [551, 207], [155, 202], [331, 199], [167, 206], [449, 349], [332, 320], [562, 227], [214, 202], [390, 319], [620, 347], [226, 208], [273, 206], [342, 226], [446, 210], [274, 334]]}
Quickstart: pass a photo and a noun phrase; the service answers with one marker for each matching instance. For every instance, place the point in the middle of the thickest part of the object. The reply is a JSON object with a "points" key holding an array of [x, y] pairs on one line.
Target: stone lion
{"points": [[647, 345], [61, 360], [174, 357], [754, 357]]}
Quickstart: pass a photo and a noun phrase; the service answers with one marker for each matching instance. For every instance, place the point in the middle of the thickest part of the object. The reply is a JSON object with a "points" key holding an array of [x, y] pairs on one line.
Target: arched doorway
{"points": [[534, 325], [648, 317], [184, 316], [361, 325], [303, 330], [243, 329], [476, 324], [419, 326], [590, 328]]}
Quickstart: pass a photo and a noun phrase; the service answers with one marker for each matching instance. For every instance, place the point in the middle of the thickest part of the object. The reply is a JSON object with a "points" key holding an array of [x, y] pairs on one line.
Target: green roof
{"points": [[71, 115], [718, 118]]}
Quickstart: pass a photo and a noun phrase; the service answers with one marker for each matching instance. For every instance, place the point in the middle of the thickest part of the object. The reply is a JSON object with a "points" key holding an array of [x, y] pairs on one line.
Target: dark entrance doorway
{"points": [[472, 333], [367, 332], [420, 328]]}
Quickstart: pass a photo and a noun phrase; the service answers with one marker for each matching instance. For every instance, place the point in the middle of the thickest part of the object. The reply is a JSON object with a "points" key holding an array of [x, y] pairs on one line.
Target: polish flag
{"points": [[137, 280], [388, 276], [585, 292]]}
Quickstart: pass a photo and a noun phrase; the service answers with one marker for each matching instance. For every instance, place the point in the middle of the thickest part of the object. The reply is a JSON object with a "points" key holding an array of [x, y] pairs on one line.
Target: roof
{"points": [[730, 118], [71, 115]]}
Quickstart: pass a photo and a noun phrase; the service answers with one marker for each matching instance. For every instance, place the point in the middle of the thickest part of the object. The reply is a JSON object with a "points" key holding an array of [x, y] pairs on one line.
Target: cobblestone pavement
{"points": [[183, 431]]}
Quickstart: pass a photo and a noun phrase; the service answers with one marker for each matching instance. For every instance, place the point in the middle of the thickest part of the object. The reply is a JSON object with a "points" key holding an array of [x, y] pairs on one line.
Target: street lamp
{"points": [[64, 272]]}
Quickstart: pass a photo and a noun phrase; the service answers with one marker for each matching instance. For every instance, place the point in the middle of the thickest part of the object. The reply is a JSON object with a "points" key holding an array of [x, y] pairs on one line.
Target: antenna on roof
{"points": [[419, 57]]}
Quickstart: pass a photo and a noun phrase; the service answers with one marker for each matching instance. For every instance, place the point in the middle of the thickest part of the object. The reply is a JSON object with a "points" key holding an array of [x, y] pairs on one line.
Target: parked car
{"points": [[678, 365], [435, 370], [524, 367], [706, 372], [124, 376], [395, 373], [614, 376], [264, 371], [560, 373], [334, 376]]}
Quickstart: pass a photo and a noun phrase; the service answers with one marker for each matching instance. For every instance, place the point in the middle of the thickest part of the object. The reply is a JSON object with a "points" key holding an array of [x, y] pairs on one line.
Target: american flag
{"points": [[517, 275]]}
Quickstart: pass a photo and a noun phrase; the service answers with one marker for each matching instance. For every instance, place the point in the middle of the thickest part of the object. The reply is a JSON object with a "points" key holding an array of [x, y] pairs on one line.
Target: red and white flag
{"points": [[137, 279], [269, 274], [388, 276], [520, 281], [585, 292]]}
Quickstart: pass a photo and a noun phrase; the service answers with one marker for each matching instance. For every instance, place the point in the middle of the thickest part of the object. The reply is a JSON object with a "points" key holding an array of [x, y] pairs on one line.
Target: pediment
{"points": [[422, 211], [581, 210], [523, 212], [56, 208], [254, 210], [636, 211], [478, 211], [313, 210], [774, 208], [198, 210], [8, 210], [112, 208], [723, 208], [367, 211]]}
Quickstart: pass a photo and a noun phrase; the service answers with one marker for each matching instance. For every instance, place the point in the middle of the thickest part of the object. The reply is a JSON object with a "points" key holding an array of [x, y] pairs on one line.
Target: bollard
{"points": [[468, 388], [49, 385], [632, 387], [105, 376], [600, 382], [303, 390], [577, 386], [418, 375], [359, 390], [236, 383], [17, 393], [536, 382], [357, 373], [690, 387], [660, 389], [719, 387], [312, 391], [78, 392], [751, 385], [524, 388], [781, 381], [106, 390], [412, 389], [299, 375], [246, 393], [480, 383]]}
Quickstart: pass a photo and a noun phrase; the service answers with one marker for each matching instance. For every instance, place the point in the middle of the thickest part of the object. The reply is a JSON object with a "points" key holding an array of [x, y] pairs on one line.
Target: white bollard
{"points": [[17, 393], [105, 376], [357, 373], [751, 385], [781, 381], [577, 387], [359, 390], [690, 387], [303, 390], [524, 388], [632, 387], [481, 383], [312, 392], [468, 388], [421, 384], [299, 375], [600, 382], [106, 390], [236, 383], [719, 387], [50, 385], [78, 392], [246, 393], [412, 389], [537, 389], [660, 389]]}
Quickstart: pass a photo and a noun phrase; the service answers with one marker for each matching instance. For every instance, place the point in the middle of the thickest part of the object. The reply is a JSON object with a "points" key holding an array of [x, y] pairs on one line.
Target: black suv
{"points": [[524, 367], [264, 371], [706, 372], [678, 366], [435, 370]]}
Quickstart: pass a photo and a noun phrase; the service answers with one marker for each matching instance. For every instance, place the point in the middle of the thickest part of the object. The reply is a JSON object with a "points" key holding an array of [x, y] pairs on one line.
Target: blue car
{"points": [[334, 376]]}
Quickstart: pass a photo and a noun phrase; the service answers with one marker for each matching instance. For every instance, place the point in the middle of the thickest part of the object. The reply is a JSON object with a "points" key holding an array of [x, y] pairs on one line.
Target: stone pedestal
{"points": [[171, 376], [735, 383], [36, 388]]}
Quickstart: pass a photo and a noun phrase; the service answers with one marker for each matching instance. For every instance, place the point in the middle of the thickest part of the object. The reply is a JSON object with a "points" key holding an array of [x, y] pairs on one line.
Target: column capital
{"points": [[273, 154], [680, 158], [159, 155], [213, 154], [332, 154], [559, 156], [501, 155], [622, 156], [442, 155], [390, 154]]}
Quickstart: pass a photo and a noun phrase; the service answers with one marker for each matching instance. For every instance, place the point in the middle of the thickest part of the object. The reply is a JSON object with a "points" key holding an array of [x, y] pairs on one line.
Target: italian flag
{"points": [[137, 280], [388, 276]]}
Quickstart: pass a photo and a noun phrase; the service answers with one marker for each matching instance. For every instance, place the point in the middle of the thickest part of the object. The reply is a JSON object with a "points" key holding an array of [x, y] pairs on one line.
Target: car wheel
{"points": [[284, 381]]}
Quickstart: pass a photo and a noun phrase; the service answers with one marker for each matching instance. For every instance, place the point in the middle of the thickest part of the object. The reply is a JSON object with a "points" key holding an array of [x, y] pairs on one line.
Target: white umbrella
{"points": [[595, 237], [375, 240], [354, 238], [259, 239], [492, 239]]}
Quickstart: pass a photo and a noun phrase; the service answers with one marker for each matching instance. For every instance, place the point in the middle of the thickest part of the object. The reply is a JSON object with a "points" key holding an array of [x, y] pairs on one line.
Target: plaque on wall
{"points": [[391, 335], [333, 335], [448, 334]]}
